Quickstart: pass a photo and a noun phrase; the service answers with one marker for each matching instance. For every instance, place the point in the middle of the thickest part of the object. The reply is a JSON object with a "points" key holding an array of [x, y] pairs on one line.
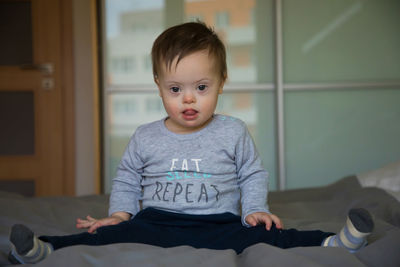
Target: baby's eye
{"points": [[202, 87], [175, 89]]}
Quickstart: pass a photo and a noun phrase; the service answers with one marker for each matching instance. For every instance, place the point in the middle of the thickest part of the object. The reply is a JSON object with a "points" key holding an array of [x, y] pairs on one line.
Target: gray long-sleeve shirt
{"points": [[210, 171]]}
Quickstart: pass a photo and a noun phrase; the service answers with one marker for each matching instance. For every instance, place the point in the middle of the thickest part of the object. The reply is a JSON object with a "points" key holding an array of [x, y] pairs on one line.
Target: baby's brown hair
{"points": [[184, 39]]}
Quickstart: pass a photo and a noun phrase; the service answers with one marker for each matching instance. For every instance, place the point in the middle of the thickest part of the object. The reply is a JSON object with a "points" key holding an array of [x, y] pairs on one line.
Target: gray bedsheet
{"points": [[322, 208]]}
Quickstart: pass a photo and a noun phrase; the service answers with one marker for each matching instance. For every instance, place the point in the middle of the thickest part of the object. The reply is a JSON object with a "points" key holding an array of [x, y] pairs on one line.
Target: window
{"points": [[339, 80]]}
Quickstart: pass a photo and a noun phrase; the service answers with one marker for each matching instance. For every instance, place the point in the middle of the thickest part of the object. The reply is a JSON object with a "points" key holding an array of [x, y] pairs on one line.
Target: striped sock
{"points": [[353, 236], [26, 247]]}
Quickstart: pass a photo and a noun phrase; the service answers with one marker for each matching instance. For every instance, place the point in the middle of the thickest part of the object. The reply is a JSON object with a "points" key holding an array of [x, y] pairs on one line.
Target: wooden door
{"points": [[32, 119]]}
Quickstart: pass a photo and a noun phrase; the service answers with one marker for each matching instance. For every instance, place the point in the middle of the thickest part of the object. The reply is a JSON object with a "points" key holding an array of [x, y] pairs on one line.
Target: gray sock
{"points": [[26, 247], [353, 236]]}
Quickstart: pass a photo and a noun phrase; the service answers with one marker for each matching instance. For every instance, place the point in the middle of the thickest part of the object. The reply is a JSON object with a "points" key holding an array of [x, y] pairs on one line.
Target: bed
{"points": [[322, 208]]}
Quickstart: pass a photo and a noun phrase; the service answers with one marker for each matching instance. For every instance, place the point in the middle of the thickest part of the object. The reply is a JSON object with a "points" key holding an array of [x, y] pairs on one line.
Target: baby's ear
{"points": [[221, 87], [157, 81]]}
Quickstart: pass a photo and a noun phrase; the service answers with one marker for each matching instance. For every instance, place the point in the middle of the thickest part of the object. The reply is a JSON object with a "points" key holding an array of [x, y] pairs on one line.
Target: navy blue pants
{"points": [[166, 229]]}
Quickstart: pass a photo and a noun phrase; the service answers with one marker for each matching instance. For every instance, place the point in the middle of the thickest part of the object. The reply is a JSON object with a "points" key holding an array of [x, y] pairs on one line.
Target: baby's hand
{"points": [[264, 218], [93, 223]]}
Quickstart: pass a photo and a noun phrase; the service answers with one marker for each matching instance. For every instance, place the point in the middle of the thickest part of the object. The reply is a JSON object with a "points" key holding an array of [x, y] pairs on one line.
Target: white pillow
{"points": [[387, 178]]}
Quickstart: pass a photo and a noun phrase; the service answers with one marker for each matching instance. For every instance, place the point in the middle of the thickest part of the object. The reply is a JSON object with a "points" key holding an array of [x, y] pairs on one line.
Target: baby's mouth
{"points": [[190, 114]]}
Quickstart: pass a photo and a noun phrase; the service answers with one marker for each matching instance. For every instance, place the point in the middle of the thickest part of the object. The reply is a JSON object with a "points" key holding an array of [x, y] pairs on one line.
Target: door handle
{"points": [[45, 68]]}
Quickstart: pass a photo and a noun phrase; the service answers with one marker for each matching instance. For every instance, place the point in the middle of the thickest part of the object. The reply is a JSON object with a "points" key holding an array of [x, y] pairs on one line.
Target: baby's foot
{"points": [[26, 247], [353, 236], [361, 220]]}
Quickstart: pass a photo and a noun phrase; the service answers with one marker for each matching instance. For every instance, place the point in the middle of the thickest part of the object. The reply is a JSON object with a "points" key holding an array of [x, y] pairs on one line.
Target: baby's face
{"points": [[190, 92]]}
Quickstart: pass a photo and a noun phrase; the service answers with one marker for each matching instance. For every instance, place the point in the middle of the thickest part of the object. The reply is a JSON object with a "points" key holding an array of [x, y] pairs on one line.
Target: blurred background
{"points": [[316, 81], [341, 109]]}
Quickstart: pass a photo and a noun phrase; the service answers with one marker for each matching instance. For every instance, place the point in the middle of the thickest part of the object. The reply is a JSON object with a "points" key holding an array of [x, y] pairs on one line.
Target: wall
{"points": [[87, 174]]}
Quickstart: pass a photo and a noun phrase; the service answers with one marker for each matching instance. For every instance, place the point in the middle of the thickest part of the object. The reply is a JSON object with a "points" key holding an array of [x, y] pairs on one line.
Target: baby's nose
{"points": [[189, 97]]}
